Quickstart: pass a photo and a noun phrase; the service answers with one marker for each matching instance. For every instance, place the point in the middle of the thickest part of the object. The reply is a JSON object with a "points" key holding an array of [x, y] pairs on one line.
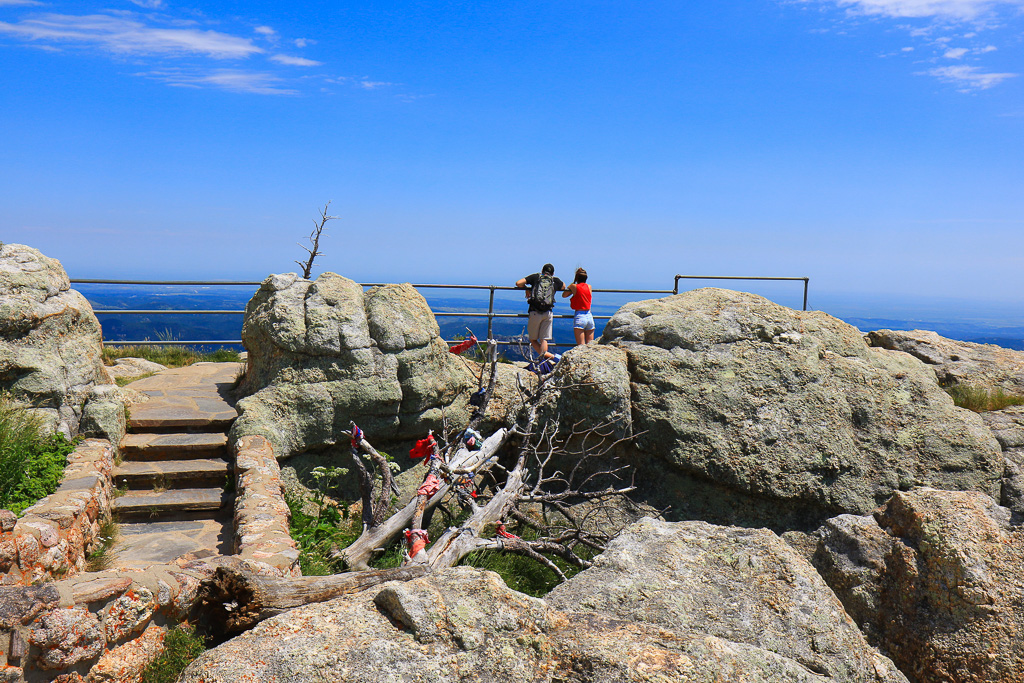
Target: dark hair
{"points": [[548, 269], [581, 275]]}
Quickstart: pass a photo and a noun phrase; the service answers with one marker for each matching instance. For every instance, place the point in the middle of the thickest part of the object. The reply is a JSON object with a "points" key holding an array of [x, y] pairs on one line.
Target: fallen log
{"points": [[235, 599]]}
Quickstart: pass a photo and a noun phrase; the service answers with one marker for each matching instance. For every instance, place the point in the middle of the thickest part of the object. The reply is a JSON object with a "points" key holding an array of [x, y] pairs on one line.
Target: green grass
{"points": [[318, 535], [31, 463], [181, 647], [101, 556], [122, 381], [522, 573], [981, 399], [168, 354]]}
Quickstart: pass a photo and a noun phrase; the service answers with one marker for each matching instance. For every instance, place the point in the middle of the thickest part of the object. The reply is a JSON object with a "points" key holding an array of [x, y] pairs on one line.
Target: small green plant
{"points": [[181, 646], [981, 399], [31, 463], [123, 381], [318, 534], [102, 556], [171, 355]]}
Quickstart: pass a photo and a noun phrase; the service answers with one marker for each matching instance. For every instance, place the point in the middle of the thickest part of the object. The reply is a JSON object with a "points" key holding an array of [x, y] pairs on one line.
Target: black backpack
{"points": [[543, 296]]}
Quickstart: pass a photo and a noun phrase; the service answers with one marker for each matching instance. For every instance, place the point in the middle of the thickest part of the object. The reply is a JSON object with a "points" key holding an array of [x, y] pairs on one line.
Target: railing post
{"points": [[806, 282], [490, 312], [675, 286]]}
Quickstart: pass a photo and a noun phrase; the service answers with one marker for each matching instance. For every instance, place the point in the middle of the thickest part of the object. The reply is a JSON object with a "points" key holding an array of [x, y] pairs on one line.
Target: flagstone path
{"points": [[176, 466]]}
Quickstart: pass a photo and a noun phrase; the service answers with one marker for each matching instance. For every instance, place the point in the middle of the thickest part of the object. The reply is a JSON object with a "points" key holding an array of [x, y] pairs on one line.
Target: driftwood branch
{"points": [[236, 599]]}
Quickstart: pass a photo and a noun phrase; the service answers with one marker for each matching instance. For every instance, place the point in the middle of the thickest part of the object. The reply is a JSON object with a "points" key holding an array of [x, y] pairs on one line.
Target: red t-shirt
{"points": [[580, 301]]}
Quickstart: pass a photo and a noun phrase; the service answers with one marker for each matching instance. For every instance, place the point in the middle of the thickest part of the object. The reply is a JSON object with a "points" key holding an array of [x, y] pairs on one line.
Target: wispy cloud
{"points": [[969, 78], [948, 9], [129, 36], [5, 3], [294, 61], [235, 80], [265, 30], [150, 4], [373, 85], [955, 53], [303, 42]]}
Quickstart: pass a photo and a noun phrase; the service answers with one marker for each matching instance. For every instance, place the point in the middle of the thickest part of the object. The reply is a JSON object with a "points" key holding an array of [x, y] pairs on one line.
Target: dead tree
{"points": [[530, 483], [314, 241]]}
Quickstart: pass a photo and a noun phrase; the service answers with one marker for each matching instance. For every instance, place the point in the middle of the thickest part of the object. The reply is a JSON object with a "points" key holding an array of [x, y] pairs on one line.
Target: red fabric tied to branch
{"points": [[424, 448], [463, 346], [429, 487], [417, 540], [504, 534], [357, 436]]}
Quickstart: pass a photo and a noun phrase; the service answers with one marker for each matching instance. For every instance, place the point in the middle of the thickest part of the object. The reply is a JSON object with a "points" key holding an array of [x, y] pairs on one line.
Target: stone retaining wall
{"points": [[261, 514], [102, 626], [52, 538]]}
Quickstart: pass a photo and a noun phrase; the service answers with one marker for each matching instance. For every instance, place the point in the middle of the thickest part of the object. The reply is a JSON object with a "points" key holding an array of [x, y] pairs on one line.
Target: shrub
{"points": [[181, 647], [317, 535], [31, 463], [981, 399]]}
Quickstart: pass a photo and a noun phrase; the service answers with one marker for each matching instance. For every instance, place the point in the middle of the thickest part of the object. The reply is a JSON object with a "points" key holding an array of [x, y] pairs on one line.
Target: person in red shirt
{"points": [[583, 323]]}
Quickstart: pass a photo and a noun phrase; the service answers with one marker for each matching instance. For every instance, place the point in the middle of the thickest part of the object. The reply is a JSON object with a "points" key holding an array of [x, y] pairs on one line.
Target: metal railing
{"points": [[490, 314]]}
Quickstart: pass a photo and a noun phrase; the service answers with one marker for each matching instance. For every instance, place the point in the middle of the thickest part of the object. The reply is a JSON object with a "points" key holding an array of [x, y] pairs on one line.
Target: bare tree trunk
{"points": [[361, 551], [236, 599]]}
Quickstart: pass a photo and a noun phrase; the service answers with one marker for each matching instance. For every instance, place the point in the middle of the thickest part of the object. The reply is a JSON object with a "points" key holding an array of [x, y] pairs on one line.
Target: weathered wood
{"points": [[236, 599], [361, 551]]}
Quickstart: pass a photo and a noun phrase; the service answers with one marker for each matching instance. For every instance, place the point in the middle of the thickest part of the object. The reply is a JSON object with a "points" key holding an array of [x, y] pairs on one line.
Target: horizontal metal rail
{"points": [[490, 314], [806, 281]]}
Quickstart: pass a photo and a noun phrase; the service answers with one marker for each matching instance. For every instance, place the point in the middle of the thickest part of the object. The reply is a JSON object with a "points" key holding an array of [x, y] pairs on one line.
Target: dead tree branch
{"points": [[314, 241]]}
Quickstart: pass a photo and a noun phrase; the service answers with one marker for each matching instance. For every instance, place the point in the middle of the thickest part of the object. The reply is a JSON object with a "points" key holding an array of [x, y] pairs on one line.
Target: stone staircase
{"points": [[175, 467]]}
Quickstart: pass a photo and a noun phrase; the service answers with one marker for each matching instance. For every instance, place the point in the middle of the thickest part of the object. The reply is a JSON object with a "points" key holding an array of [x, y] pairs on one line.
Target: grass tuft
{"points": [[181, 647], [31, 462], [981, 399], [102, 556], [122, 381], [168, 354]]}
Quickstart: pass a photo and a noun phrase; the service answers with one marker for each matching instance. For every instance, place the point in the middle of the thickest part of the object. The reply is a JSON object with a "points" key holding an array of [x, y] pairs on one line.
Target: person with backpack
{"points": [[540, 293], [583, 322]]}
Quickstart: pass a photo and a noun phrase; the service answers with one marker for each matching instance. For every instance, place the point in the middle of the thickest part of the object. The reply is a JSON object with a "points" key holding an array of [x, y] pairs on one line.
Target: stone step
{"points": [[176, 413], [197, 397], [174, 446], [170, 504], [172, 473]]}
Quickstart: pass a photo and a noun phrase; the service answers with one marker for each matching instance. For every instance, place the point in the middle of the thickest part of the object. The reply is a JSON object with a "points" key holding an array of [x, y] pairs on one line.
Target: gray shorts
{"points": [[539, 325]]}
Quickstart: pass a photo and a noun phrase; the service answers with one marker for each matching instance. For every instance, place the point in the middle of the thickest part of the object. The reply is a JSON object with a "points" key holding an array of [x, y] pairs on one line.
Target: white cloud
{"points": [[955, 53], [969, 77], [303, 42], [987, 48], [235, 80], [906, 49], [128, 36], [294, 61], [150, 4], [265, 30], [373, 85], [4, 3], [945, 9]]}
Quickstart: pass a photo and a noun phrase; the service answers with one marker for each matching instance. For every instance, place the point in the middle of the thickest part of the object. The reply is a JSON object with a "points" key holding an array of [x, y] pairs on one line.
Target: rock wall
{"points": [[53, 537], [261, 513], [51, 348], [777, 408], [323, 353]]}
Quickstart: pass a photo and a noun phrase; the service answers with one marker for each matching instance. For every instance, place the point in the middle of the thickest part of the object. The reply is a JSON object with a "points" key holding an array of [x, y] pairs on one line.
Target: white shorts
{"points": [[584, 320], [539, 325]]}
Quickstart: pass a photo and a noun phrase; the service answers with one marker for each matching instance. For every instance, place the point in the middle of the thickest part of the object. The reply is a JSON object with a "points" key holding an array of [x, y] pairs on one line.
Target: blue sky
{"points": [[872, 145]]}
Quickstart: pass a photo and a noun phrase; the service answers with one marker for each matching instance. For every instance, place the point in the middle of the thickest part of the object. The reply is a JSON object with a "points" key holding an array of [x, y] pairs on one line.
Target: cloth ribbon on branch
{"points": [[357, 436], [463, 346], [424, 448], [417, 540], [500, 530], [472, 439]]}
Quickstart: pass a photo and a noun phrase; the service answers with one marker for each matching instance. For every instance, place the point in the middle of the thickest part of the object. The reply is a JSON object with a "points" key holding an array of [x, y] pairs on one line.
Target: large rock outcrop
{"points": [[937, 583], [984, 365], [1007, 426], [631, 618], [324, 353], [51, 349], [745, 396]]}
